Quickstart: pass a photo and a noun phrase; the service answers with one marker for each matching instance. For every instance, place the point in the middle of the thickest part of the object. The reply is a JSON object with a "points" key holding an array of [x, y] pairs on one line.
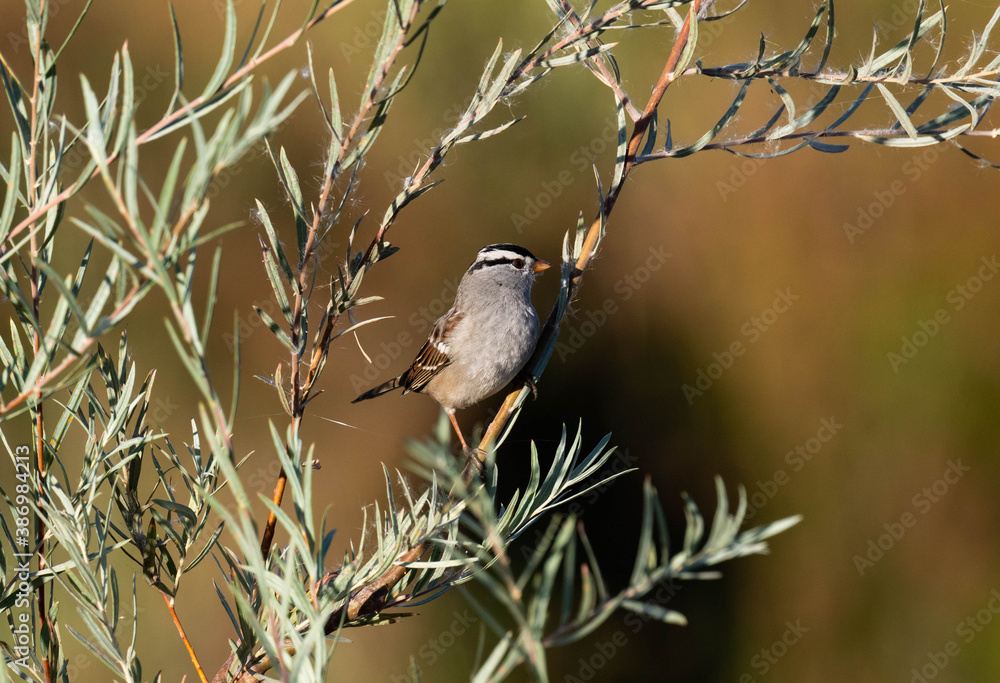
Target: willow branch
{"points": [[36, 340], [300, 390], [366, 601], [938, 134], [551, 329], [187, 643], [178, 115]]}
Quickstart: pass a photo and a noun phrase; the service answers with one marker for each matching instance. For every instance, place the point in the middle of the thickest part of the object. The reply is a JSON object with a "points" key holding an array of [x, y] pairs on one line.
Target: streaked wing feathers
{"points": [[433, 355]]}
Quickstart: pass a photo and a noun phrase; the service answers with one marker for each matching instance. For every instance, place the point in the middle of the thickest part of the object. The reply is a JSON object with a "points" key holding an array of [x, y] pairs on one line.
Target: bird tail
{"points": [[383, 388]]}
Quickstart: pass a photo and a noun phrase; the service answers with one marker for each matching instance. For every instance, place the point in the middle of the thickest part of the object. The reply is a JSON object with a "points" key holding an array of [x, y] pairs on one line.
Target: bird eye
{"points": [[518, 263]]}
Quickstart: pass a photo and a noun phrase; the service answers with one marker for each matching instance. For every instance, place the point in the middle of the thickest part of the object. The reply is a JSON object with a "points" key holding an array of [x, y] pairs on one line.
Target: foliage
{"points": [[426, 539]]}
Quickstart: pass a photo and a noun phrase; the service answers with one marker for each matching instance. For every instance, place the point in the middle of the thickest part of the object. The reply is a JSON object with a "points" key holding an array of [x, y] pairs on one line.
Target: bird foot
{"points": [[525, 378], [474, 463]]}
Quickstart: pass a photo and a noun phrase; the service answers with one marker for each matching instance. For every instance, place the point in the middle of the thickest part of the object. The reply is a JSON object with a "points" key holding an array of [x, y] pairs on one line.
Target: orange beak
{"points": [[541, 265]]}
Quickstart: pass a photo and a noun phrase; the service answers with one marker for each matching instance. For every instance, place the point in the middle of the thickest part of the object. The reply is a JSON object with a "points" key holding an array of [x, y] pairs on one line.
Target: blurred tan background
{"points": [[894, 573]]}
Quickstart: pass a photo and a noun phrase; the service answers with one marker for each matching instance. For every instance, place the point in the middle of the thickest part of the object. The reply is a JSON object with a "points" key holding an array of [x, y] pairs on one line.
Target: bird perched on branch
{"points": [[483, 341]]}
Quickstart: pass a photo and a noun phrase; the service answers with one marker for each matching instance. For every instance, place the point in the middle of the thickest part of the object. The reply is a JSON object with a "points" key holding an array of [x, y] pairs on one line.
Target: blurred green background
{"points": [[896, 470]]}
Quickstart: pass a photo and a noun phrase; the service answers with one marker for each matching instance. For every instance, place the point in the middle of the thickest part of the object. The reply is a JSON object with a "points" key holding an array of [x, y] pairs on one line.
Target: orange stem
{"points": [[272, 519], [187, 643]]}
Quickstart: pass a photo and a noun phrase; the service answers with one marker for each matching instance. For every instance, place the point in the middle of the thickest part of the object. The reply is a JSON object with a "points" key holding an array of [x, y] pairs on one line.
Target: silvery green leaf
{"points": [[576, 57], [228, 52], [654, 611], [898, 111]]}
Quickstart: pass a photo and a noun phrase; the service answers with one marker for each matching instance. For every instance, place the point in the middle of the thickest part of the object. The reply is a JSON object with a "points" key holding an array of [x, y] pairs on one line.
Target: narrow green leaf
{"points": [[126, 126], [404, 198], [166, 198], [17, 106], [66, 291], [94, 133], [695, 526], [336, 119], [277, 285], [654, 611], [178, 60], [228, 52], [722, 123], [276, 329], [212, 297], [576, 57], [898, 111], [645, 556], [828, 148], [787, 102], [13, 184], [275, 243], [830, 32], [622, 150], [69, 36], [488, 133]]}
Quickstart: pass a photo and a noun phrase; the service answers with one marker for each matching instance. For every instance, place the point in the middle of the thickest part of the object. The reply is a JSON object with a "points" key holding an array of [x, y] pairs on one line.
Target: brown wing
{"points": [[433, 355]]}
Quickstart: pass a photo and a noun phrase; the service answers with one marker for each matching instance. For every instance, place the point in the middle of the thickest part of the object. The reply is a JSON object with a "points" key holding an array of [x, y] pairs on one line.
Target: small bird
{"points": [[481, 344]]}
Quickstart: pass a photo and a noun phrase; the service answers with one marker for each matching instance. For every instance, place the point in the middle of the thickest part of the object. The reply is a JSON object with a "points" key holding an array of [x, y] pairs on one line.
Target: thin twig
{"points": [[61, 367], [847, 78], [177, 115], [268, 536], [39, 211], [588, 250], [301, 389], [599, 68], [940, 134], [36, 340], [187, 643]]}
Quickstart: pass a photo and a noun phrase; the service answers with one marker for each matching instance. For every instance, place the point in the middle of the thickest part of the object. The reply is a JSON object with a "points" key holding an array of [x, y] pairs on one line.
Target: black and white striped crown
{"points": [[501, 254]]}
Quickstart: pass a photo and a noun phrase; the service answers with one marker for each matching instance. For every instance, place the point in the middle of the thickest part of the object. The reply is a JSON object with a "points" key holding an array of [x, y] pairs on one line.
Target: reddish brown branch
{"points": [[588, 250], [366, 601], [301, 389], [180, 630], [36, 342], [268, 536]]}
